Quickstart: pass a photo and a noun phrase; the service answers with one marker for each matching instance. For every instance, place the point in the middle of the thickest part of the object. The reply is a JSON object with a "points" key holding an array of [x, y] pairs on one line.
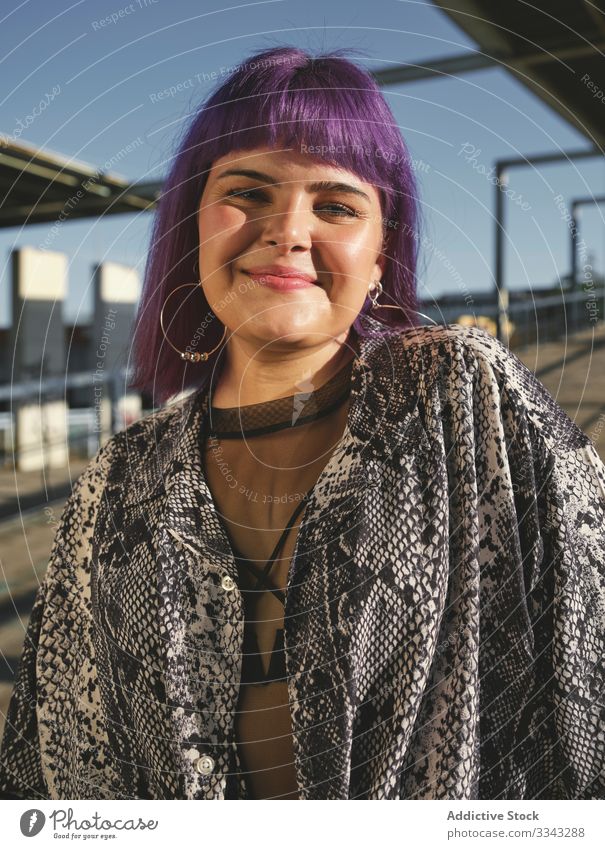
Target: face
{"points": [[263, 208]]}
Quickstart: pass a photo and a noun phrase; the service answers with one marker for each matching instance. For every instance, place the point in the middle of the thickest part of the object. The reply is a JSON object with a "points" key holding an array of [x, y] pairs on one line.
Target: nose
{"points": [[289, 230]]}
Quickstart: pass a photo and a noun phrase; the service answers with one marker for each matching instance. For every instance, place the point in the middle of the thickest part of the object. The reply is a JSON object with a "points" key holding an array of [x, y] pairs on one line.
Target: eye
{"points": [[338, 209], [341, 210], [242, 193]]}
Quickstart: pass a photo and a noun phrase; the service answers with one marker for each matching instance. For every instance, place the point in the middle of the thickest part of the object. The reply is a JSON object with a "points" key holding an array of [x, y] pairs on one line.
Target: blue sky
{"points": [[106, 76]]}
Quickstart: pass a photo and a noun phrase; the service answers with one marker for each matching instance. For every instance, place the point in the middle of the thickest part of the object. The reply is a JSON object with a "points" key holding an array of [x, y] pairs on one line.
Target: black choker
{"points": [[280, 413]]}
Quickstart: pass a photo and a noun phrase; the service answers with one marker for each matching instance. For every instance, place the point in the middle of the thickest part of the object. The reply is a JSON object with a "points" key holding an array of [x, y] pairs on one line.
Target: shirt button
{"points": [[204, 765], [227, 583]]}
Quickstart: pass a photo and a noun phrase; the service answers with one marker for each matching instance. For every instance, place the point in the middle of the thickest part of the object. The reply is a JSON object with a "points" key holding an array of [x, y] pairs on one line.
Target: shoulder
{"points": [[437, 344], [118, 463], [126, 452], [450, 337], [143, 437], [446, 350], [458, 354]]}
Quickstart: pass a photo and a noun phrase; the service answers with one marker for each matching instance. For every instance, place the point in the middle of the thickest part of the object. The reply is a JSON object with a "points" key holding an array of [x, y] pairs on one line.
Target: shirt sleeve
{"points": [[559, 483], [22, 767], [567, 607], [21, 774]]}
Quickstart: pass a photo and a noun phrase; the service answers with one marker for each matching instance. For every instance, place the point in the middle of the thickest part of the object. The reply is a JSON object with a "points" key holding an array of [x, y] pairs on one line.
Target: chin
{"points": [[287, 332]]}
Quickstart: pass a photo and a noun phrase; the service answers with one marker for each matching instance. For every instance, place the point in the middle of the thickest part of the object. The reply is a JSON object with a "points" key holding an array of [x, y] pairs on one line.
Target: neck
{"points": [[252, 377]]}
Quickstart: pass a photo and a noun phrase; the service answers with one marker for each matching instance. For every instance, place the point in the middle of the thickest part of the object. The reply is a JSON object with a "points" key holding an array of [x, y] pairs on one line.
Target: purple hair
{"points": [[281, 97]]}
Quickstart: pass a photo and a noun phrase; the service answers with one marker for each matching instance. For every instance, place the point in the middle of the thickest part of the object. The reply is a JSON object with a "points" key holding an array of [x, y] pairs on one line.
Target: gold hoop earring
{"points": [[377, 285], [190, 356]]}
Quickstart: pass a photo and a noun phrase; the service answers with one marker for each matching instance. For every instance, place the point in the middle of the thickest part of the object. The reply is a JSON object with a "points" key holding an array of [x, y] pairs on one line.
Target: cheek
{"points": [[351, 256], [356, 246], [220, 226]]}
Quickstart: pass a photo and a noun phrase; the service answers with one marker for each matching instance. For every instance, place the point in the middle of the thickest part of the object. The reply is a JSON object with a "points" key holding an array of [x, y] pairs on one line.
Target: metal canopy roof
{"points": [[38, 186], [554, 47]]}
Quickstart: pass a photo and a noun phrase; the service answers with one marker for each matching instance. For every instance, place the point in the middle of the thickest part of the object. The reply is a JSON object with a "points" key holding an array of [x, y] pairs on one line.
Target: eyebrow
{"points": [[321, 185]]}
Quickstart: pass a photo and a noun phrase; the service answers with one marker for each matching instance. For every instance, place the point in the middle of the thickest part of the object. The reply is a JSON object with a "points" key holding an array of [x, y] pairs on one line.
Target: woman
{"points": [[363, 558]]}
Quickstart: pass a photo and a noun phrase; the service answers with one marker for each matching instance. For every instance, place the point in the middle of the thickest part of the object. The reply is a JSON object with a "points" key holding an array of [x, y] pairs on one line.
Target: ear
{"points": [[381, 261]]}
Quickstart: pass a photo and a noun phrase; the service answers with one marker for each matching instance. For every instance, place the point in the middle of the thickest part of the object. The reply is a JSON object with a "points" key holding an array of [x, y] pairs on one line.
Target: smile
{"points": [[281, 283]]}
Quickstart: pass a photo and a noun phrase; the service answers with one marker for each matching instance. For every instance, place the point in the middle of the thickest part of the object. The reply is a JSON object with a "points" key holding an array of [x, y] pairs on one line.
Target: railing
{"points": [[57, 386], [540, 319], [83, 427]]}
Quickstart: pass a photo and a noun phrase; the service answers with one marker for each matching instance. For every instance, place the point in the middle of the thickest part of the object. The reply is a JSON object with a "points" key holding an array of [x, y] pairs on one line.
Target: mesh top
{"points": [[261, 463], [295, 410]]}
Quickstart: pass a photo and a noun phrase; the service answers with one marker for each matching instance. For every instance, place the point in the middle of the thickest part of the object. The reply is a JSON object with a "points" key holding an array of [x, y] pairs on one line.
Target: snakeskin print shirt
{"points": [[444, 623]]}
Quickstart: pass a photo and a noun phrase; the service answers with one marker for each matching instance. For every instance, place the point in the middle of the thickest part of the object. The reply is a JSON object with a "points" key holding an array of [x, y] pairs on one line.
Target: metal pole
{"points": [[574, 265], [501, 290], [574, 247]]}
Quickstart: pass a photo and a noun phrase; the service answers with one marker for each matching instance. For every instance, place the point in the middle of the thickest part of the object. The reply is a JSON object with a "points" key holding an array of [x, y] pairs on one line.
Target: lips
{"points": [[281, 271]]}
